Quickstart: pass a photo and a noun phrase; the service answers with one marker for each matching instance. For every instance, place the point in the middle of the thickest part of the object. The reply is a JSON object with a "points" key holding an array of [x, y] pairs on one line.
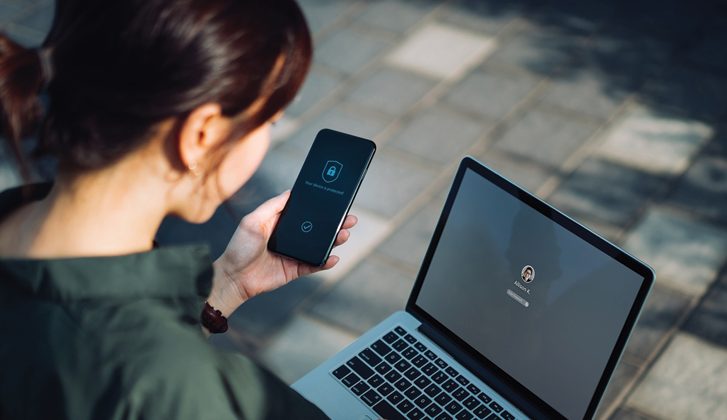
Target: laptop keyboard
{"points": [[400, 378]]}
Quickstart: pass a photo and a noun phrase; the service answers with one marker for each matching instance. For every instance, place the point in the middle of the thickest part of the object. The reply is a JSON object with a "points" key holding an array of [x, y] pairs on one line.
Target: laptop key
{"points": [[371, 398], [383, 368], [449, 385], [481, 411], [393, 357], [421, 347], [444, 416], [386, 411], [432, 390], [441, 363], [405, 406], [360, 388], [400, 331], [430, 355], [484, 398], [369, 357], [495, 407], [493, 416], [471, 402], [433, 410], [395, 397], [412, 393], [412, 373], [453, 407], [393, 376], [452, 372], [391, 337], [360, 367], [507, 415], [443, 399], [402, 365], [460, 394], [429, 368], [422, 382], [381, 348], [462, 380], [439, 377], [422, 401], [410, 339], [350, 380], [385, 389], [400, 345], [341, 372], [409, 353], [402, 384], [473, 389], [464, 415], [375, 381], [415, 414], [420, 361]]}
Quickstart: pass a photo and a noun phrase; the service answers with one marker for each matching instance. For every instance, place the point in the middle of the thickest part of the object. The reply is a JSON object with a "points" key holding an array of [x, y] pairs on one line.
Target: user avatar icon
{"points": [[528, 274]]}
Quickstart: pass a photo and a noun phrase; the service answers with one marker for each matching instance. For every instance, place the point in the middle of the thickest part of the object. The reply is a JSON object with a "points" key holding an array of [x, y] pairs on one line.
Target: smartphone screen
{"points": [[322, 196]]}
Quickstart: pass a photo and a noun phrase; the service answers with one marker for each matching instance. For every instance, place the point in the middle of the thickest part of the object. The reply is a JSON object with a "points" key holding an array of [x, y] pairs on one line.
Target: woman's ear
{"points": [[204, 128]]}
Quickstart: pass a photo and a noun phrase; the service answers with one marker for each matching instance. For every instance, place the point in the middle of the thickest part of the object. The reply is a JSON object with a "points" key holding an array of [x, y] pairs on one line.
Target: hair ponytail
{"points": [[21, 80]]}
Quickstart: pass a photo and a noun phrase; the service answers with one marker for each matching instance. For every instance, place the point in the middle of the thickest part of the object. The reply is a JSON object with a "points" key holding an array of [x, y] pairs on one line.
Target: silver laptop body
{"points": [[518, 312]]}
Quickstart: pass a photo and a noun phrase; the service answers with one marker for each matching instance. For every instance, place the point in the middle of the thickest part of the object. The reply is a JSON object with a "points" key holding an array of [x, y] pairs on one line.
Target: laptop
{"points": [[517, 312]]}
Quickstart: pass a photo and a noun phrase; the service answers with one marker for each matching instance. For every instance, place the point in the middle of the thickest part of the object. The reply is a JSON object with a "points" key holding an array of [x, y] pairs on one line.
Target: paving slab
{"points": [[370, 231], [586, 92], [491, 94], [625, 413], [322, 14], [349, 49], [656, 143], [624, 374], [709, 318], [391, 183], [392, 91], [318, 85], [545, 136], [535, 52], [688, 91], [442, 51], [703, 189], [607, 192], [302, 345], [663, 309], [686, 254], [523, 171], [343, 117], [410, 242], [371, 292], [397, 16], [687, 381], [439, 135], [479, 16]]}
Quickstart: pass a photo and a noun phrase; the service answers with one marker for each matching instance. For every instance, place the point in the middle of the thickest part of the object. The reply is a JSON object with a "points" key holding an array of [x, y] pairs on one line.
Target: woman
{"points": [[155, 107]]}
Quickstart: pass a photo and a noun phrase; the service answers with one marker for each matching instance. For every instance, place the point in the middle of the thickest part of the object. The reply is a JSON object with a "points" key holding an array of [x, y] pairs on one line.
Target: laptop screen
{"points": [[536, 300]]}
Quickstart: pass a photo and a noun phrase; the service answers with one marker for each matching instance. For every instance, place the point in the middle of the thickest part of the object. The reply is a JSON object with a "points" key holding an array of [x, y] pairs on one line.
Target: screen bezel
{"points": [[484, 364]]}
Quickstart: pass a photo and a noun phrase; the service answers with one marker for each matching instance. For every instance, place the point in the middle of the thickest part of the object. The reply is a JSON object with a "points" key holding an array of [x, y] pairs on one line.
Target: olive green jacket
{"points": [[119, 338]]}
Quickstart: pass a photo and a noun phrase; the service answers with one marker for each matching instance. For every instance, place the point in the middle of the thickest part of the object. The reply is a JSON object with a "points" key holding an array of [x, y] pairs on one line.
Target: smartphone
{"points": [[322, 196]]}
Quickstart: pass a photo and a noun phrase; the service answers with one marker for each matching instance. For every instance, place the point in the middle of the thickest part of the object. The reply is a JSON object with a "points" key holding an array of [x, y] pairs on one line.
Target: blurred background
{"points": [[613, 111]]}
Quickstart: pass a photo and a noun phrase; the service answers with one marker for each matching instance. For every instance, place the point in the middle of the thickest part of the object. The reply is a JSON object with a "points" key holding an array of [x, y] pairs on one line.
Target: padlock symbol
{"points": [[331, 171]]}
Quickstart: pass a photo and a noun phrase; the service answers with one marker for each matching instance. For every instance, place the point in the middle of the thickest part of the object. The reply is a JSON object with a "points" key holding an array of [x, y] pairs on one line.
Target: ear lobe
{"points": [[201, 131]]}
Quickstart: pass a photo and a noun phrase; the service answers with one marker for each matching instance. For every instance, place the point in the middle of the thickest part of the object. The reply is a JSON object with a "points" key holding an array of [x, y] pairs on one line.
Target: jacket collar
{"points": [[168, 272]]}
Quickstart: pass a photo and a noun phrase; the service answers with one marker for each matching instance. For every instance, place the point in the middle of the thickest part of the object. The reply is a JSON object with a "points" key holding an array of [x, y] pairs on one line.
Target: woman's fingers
{"points": [[350, 222], [342, 237]]}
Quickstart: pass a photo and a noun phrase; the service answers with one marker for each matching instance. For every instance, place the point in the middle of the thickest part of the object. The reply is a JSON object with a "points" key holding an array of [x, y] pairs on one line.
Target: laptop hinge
{"points": [[486, 375]]}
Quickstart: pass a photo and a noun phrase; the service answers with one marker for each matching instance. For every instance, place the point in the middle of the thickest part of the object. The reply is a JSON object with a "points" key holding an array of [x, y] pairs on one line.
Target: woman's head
{"points": [[201, 77]]}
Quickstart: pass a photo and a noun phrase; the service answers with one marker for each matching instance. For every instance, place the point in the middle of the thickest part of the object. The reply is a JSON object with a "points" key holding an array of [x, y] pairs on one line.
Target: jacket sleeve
{"points": [[231, 388]]}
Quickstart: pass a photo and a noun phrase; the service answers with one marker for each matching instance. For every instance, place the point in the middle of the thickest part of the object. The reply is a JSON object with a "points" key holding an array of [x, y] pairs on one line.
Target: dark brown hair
{"points": [[119, 67]]}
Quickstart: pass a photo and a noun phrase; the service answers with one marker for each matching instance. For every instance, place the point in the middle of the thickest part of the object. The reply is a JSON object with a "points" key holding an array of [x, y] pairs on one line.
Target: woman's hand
{"points": [[247, 268]]}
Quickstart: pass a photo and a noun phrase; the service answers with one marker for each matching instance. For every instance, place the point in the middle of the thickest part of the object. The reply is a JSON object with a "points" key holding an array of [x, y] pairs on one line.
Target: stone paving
{"points": [[613, 111]]}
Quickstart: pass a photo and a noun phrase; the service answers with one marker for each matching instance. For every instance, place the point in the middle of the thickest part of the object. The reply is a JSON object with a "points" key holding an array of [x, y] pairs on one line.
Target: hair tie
{"points": [[45, 55]]}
